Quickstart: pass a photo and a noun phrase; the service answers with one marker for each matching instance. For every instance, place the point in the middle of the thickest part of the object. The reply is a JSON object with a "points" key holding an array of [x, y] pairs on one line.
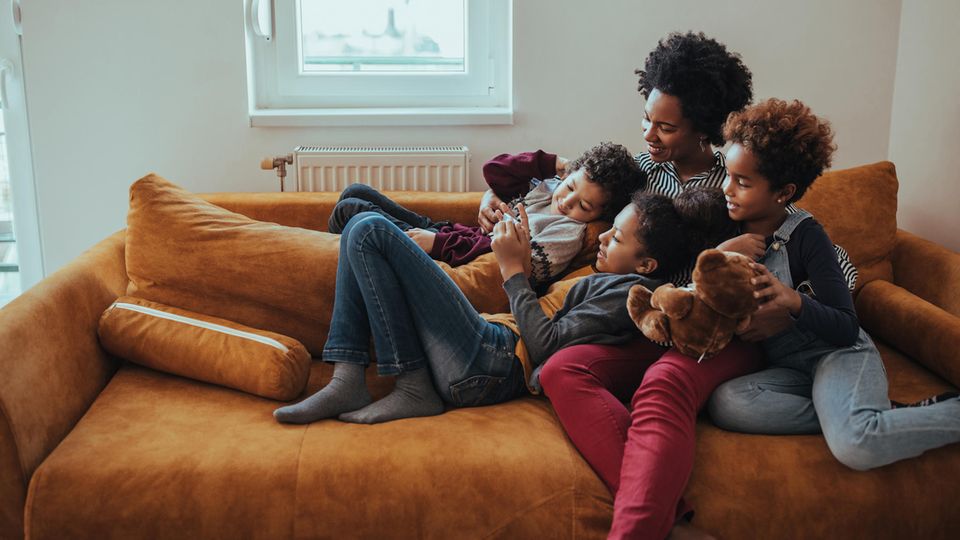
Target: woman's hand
{"points": [[487, 217], [511, 243], [770, 290], [749, 245], [423, 238]]}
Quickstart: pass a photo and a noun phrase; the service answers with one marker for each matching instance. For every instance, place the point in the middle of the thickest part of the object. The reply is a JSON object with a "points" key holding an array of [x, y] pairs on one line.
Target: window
{"points": [[379, 62]]}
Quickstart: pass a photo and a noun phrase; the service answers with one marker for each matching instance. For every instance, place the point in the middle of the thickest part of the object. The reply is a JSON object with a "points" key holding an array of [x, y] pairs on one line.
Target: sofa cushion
{"points": [[858, 209], [186, 252], [183, 251], [205, 348], [165, 457]]}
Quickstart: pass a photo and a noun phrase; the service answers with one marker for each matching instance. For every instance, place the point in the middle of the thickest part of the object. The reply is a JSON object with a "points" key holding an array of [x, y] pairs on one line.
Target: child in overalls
{"points": [[825, 372]]}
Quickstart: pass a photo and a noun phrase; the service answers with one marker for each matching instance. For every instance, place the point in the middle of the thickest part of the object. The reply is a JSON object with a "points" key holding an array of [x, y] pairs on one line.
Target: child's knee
{"points": [[357, 191], [853, 451]]}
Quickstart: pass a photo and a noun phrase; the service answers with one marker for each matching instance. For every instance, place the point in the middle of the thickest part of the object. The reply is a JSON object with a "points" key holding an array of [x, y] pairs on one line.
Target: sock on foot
{"points": [[346, 391], [412, 396], [925, 402]]}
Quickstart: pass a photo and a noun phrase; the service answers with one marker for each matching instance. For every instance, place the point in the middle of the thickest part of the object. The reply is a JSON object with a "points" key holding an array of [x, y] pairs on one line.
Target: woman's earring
{"points": [[779, 201], [702, 149]]}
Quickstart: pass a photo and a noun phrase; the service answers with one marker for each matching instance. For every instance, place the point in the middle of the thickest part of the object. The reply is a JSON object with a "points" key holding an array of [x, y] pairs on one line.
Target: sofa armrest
{"points": [[52, 364], [928, 270], [311, 210], [926, 332]]}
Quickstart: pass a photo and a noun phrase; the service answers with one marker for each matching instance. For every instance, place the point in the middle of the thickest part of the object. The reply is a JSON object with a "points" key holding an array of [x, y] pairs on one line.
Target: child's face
{"points": [[669, 136], [579, 198], [620, 250], [748, 193]]}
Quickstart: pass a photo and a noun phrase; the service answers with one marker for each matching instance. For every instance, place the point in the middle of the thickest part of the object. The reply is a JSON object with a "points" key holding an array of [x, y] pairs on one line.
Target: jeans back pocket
{"points": [[477, 390]]}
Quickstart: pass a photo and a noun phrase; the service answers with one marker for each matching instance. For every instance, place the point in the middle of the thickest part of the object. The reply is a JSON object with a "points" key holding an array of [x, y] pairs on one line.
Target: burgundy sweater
{"points": [[508, 175]]}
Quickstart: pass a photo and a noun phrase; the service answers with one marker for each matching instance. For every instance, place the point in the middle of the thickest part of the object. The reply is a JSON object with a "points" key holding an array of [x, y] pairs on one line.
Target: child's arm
{"points": [[830, 315], [509, 175]]}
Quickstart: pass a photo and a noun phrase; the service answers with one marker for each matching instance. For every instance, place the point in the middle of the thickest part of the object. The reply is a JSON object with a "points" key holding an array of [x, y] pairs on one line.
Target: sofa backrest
{"points": [[858, 209]]}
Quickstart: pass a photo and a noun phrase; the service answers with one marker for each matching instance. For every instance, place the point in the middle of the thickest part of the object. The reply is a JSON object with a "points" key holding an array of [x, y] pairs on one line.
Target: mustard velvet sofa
{"points": [[93, 447]]}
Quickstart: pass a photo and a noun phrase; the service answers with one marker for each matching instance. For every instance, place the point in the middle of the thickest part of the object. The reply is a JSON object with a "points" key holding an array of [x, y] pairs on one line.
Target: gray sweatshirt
{"points": [[594, 311]]}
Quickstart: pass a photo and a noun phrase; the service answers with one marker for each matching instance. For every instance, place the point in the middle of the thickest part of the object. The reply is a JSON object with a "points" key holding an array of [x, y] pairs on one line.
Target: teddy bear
{"points": [[699, 320]]}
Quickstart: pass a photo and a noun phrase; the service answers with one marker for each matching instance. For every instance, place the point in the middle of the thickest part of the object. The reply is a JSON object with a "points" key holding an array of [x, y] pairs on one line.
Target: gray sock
{"points": [[413, 396], [346, 391]]}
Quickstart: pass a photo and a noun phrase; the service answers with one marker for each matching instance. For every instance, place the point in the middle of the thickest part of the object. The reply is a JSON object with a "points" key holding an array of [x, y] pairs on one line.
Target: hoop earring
{"points": [[702, 149]]}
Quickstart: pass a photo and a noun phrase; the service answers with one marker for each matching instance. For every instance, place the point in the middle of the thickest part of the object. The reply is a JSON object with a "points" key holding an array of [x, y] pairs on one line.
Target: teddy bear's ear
{"points": [[711, 258], [638, 302]]}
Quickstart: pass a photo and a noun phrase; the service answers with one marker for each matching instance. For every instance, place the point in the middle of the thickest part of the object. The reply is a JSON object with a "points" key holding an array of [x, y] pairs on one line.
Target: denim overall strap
{"points": [[775, 258]]}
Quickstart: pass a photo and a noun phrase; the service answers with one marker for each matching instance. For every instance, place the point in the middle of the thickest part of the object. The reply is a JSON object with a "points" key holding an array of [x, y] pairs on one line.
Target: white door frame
{"points": [[26, 216]]}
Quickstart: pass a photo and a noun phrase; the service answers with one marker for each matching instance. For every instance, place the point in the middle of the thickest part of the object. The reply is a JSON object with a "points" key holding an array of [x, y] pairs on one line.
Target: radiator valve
{"points": [[279, 163]]}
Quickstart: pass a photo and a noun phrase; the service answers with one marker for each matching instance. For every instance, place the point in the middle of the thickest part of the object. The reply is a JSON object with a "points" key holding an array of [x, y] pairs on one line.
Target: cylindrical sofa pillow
{"points": [[205, 348]]}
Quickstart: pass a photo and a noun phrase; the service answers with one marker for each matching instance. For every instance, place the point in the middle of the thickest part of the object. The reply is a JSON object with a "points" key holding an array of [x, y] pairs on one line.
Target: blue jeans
{"points": [[358, 198], [388, 287], [813, 386]]}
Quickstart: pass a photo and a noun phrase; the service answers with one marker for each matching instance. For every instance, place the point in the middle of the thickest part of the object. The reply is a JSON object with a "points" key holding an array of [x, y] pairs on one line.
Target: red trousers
{"points": [[643, 454]]}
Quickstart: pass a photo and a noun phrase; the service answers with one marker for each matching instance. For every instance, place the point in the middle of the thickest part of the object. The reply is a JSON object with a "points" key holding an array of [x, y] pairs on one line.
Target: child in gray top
{"points": [[441, 350]]}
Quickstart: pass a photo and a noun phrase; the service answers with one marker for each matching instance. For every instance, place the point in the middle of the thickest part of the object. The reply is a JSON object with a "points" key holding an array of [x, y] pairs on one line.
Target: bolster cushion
{"points": [[205, 348]]}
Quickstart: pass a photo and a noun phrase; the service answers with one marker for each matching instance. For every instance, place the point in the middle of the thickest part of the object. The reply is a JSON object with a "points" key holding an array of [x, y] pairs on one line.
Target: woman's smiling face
{"points": [[669, 135]]}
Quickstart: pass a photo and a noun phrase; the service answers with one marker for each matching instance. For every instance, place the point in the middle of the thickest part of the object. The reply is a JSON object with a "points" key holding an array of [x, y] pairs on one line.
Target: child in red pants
{"points": [[644, 453]]}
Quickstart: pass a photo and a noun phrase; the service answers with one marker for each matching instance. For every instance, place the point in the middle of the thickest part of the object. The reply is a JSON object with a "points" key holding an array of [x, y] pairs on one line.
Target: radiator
{"points": [[415, 168]]}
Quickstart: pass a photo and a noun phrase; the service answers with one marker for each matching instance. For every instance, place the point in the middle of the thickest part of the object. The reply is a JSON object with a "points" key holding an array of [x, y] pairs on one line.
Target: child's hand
{"points": [[424, 239], [562, 166], [767, 321], [487, 217], [511, 243], [750, 245], [771, 290]]}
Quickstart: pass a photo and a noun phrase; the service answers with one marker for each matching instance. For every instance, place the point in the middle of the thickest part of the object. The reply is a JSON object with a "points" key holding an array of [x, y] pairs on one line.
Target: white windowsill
{"points": [[453, 116]]}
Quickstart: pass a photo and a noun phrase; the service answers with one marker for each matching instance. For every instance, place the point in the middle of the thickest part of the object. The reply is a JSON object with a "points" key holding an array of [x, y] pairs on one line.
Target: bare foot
{"points": [[684, 530]]}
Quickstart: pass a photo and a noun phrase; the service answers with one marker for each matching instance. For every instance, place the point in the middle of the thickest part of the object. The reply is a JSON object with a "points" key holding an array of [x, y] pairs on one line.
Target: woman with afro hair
{"points": [[644, 453], [825, 372]]}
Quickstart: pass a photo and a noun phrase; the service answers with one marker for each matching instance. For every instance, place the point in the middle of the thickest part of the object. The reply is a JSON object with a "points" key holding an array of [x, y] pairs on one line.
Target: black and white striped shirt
{"points": [[663, 179]]}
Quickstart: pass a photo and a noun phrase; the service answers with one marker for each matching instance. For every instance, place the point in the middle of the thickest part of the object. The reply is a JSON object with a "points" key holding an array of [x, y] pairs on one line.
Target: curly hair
{"points": [[612, 167], [704, 213], [790, 143], [662, 231], [710, 82]]}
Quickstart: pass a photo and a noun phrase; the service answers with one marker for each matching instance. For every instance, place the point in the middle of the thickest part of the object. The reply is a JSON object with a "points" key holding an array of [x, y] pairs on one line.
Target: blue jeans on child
{"points": [[814, 386], [418, 317], [358, 198]]}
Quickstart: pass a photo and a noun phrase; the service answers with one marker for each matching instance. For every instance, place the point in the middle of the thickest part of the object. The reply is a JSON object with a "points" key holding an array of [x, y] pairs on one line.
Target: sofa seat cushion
{"points": [[161, 456], [802, 491]]}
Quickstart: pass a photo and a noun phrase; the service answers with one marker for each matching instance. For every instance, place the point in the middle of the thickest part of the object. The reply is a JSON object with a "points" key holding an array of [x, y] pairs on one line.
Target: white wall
{"points": [[925, 124], [117, 89]]}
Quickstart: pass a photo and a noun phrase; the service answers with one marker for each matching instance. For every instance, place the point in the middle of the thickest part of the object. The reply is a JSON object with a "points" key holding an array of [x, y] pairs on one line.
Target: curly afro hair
{"points": [[791, 145], [613, 168], [661, 230], [704, 213], [710, 82]]}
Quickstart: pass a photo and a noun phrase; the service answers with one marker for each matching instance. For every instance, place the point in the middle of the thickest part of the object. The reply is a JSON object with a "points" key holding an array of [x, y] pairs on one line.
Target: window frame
{"points": [[281, 95]]}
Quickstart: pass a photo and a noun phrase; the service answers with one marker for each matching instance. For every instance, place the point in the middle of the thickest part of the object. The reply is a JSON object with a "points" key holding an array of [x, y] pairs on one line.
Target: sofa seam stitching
{"points": [[296, 490]]}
